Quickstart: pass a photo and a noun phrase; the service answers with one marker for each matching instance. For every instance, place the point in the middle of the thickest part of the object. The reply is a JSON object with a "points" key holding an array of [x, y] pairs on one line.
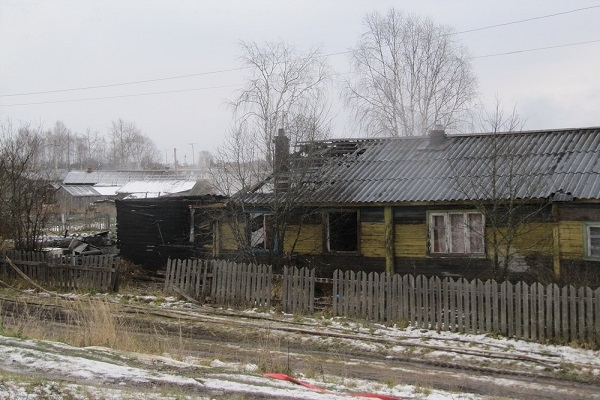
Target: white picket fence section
{"points": [[226, 283], [190, 277], [238, 284], [66, 272], [532, 312], [298, 290]]}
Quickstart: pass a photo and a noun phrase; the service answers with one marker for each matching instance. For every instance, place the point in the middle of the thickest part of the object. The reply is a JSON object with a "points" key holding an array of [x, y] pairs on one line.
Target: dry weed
{"points": [[81, 322]]}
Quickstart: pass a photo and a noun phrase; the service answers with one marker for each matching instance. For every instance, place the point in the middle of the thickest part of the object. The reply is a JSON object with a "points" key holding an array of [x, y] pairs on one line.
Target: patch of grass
{"points": [[273, 353], [422, 390], [400, 323], [89, 321], [390, 381]]}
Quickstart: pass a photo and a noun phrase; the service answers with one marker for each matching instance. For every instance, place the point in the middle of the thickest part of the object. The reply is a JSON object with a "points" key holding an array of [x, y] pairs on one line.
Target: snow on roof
{"points": [[144, 195], [161, 187], [107, 190], [112, 177], [81, 191]]}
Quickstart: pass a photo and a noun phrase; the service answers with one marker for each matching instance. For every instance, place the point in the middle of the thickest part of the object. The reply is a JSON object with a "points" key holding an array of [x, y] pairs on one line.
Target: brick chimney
{"points": [[280, 161], [282, 152], [437, 136]]}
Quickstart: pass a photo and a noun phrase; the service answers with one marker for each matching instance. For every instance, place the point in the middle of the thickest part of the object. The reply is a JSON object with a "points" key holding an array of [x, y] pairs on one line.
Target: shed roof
{"points": [[111, 178], [527, 165], [81, 191], [157, 186]]}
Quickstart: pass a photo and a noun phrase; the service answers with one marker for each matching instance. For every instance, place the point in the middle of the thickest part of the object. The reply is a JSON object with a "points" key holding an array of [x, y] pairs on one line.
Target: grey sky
{"points": [[63, 44]]}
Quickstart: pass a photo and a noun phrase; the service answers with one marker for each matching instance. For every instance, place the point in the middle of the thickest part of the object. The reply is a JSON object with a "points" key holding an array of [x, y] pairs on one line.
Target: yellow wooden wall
{"points": [[310, 239], [531, 239], [411, 240], [372, 239], [227, 237], [571, 239]]}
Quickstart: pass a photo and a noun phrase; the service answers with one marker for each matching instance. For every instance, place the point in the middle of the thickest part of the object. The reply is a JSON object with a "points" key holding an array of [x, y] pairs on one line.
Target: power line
{"points": [[225, 86], [536, 49], [243, 68], [120, 96], [146, 80], [124, 83], [528, 19]]}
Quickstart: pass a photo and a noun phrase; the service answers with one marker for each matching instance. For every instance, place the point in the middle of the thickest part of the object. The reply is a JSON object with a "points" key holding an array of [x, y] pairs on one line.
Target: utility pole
{"points": [[193, 155]]}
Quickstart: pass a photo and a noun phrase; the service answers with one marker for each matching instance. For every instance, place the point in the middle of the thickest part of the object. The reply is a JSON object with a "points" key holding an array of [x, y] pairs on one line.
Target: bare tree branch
{"points": [[409, 74]]}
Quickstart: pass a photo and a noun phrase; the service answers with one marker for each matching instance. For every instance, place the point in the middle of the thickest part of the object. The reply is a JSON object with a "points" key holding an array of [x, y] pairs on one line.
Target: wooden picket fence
{"points": [[298, 290], [227, 283], [532, 312], [65, 272], [189, 277], [238, 284]]}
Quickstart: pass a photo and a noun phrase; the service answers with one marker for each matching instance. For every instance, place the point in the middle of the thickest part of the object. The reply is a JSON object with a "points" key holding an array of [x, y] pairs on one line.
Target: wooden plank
{"points": [[581, 313], [510, 307], [533, 319], [452, 289], [419, 301], [597, 316], [495, 307], [466, 293], [335, 296], [518, 293], [376, 296], [589, 314], [549, 300], [344, 284], [479, 311], [541, 317], [503, 308], [426, 289], [370, 294], [474, 306], [526, 317], [557, 334], [388, 302], [412, 310], [564, 320], [405, 298], [397, 297], [460, 305], [438, 302], [285, 305]]}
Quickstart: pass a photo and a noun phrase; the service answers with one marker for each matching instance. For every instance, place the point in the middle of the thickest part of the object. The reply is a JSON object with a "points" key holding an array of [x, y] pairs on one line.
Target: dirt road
{"points": [[335, 353]]}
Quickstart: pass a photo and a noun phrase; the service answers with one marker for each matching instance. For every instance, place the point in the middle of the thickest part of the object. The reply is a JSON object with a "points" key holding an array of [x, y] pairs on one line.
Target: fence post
{"points": [[335, 293]]}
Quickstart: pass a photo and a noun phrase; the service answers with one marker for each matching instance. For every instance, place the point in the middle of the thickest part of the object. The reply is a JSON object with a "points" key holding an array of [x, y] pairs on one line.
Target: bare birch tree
{"points": [[409, 74], [501, 184], [129, 147], [286, 90], [23, 188]]}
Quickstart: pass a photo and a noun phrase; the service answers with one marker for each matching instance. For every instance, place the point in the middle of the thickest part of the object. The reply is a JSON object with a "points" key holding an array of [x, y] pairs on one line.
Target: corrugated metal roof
{"points": [[533, 164], [157, 186], [106, 190], [81, 191], [112, 178]]}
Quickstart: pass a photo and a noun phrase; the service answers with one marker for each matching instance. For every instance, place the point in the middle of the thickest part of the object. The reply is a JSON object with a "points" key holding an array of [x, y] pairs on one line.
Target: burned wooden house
{"points": [[151, 230], [484, 205]]}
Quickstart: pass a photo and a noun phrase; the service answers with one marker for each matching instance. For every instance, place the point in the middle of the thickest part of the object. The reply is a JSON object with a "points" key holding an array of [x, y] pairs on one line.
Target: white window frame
{"points": [[448, 233], [588, 239]]}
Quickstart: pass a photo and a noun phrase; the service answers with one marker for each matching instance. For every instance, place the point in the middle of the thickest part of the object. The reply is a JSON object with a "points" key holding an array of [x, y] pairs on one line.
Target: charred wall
{"points": [[150, 231]]}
